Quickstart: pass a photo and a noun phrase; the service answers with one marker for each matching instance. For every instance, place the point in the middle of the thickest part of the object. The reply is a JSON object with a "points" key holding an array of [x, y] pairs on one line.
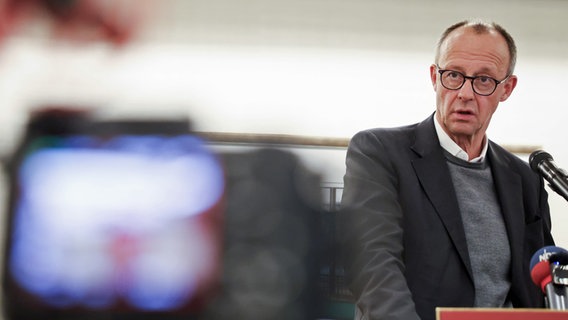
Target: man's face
{"points": [[462, 113]]}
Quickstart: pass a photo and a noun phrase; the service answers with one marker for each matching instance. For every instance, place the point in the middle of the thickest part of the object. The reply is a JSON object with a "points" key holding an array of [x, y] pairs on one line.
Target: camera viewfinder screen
{"points": [[120, 223]]}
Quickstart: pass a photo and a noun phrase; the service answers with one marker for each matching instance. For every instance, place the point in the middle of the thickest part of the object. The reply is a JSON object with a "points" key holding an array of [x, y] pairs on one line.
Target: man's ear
{"points": [[433, 75], [509, 85]]}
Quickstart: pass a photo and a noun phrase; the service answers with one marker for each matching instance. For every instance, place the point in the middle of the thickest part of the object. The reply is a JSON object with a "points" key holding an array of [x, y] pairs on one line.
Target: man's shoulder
{"points": [[395, 135], [508, 157]]}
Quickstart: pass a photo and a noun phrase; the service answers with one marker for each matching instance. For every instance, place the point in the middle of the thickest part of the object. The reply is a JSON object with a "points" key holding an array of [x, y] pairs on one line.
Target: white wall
{"points": [[311, 67]]}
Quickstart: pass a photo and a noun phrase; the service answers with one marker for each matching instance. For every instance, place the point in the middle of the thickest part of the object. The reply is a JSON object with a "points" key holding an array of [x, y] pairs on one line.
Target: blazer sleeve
{"points": [[372, 235]]}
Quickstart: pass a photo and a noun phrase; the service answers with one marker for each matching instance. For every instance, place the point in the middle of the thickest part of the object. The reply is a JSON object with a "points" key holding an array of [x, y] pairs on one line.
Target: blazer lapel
{"points": [[434, 176], [509, 191]]}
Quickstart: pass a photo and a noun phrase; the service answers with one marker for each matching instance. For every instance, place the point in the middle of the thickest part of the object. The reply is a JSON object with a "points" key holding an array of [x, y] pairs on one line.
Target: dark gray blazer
{"points": [[403, 238]]}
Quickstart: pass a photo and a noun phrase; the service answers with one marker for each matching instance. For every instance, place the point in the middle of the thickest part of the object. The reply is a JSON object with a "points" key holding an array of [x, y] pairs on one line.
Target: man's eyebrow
{"points": [[483, 71]]}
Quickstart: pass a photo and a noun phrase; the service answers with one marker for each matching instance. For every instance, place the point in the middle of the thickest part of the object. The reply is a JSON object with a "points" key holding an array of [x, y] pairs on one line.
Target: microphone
{"points": [[543, 163], [549, 271]]}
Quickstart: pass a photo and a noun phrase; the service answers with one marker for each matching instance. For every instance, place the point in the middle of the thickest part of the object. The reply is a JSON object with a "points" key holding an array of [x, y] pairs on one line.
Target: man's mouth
{"points": [[464, 112]]}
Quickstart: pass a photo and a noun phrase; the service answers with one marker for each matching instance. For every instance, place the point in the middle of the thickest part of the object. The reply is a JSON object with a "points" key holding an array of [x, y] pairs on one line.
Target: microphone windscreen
{"points": [[543, 254], [540, 274], [537, 157]]}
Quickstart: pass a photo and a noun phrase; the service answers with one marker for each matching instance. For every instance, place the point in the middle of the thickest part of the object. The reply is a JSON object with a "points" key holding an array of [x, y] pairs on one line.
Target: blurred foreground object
{"points": [[112, 218], [141, 220], [273, 239], [113, 21]]}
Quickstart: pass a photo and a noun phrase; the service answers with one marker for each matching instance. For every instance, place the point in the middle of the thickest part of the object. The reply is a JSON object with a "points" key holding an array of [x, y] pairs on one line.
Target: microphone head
{"points": [[537, 157], [540, 264], [541, 275], [543, 254]]}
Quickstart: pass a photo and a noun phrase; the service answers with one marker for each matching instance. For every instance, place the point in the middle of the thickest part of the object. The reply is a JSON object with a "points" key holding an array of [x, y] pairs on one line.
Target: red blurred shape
{"points": [[113, 21], [541, 275]]}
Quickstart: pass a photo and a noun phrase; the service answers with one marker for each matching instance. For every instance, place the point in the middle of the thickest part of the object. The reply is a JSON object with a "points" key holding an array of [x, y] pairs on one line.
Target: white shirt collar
{"points": [[450, 146]]}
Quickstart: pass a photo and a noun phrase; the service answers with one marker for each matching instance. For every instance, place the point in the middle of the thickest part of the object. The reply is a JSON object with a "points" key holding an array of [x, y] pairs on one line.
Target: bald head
{"points": [[480, 27]]}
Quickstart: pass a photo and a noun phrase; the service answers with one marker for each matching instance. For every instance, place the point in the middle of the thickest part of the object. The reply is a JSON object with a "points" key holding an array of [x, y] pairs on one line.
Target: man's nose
{"points": [[466, 91]]}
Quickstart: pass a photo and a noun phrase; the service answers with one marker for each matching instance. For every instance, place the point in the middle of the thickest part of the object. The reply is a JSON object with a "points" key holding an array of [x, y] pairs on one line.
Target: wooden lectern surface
{"points": [[499, 314]]}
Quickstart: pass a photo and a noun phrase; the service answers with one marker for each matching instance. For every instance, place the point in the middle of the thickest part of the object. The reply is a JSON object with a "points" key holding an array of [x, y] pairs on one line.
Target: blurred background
{"points": [[310, 73]]}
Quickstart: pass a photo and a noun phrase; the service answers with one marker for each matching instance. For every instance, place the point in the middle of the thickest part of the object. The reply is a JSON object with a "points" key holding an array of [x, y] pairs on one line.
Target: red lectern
{"points": [[499, 314]]}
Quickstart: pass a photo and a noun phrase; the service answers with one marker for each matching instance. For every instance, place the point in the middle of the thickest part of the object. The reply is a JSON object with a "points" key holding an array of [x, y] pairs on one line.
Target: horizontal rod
{"points": [[309, 141]]}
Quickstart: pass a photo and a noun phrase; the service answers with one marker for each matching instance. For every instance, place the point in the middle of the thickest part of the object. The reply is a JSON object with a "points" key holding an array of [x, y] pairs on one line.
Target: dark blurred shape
{"points": [[273, 242], [115, 21]]}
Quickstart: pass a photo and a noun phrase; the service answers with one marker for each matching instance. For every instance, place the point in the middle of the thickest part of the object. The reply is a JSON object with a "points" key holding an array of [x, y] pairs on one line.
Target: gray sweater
{"points": [[485, 230]]}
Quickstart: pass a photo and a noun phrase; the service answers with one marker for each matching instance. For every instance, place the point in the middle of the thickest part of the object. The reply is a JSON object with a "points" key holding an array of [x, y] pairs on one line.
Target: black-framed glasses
{"points": [[481, 85]]}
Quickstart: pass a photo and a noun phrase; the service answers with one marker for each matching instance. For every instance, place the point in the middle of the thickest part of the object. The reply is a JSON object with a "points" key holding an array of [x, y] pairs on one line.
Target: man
{"points": [[437, 215]]}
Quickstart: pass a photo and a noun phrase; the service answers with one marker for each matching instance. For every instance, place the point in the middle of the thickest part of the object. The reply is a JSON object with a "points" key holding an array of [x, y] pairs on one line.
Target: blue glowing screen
{"points": [[130, 219]]}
